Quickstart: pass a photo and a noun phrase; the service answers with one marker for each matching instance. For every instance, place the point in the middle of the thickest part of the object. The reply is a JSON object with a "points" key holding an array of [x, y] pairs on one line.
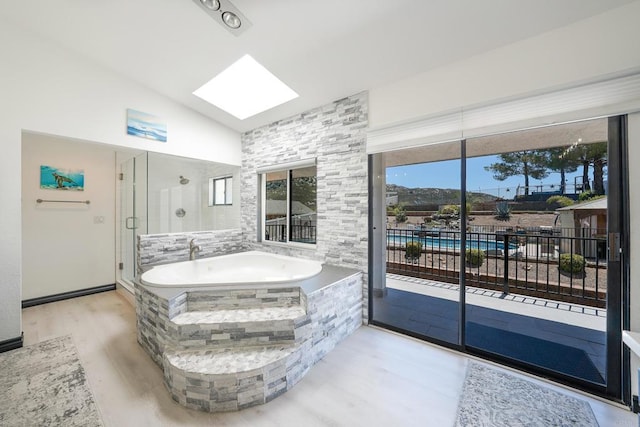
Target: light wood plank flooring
{"points": [[373, 378]]}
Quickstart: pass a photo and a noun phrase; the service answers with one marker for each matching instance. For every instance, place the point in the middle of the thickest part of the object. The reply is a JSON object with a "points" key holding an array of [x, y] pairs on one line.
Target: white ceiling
{"points": [[324, 50]]}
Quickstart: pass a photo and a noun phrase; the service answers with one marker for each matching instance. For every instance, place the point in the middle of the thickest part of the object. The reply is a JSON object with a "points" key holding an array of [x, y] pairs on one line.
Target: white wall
{"points": [[580, 52], [65, 246], [47, 89]]}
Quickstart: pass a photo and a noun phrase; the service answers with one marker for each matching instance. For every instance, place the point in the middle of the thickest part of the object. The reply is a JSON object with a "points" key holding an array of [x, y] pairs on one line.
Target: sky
{"points": [[446, 174]]}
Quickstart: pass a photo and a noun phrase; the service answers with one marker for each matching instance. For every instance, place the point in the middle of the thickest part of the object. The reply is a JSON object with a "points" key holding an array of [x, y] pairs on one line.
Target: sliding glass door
{"points": [[422, 240], [507, 247], [547, 275]]}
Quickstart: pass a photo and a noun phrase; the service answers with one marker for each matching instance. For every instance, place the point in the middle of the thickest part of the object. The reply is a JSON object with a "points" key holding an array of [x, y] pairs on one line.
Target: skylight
{"points": [[245, 89]]}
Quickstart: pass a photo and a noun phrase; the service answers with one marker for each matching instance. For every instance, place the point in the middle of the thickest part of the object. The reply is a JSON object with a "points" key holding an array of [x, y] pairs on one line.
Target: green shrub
{"points": [[400, 213], [449, 210], [474, 257], [413, 250], [502, 212], [586, 195], [401, 216], [573, 264], [469, 208], [562, 201]]}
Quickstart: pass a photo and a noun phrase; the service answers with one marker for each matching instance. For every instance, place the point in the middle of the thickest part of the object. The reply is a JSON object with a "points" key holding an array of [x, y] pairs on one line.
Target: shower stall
{"points": [[161, 193]]}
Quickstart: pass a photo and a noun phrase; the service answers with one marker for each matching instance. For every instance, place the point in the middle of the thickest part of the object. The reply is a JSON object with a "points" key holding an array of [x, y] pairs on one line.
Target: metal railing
{"points": [[299, 233], [525, 263]]}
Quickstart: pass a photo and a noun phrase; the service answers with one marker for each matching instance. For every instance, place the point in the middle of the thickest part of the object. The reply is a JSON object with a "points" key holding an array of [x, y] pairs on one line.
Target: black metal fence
{"points": [[525, 262], [299, 233]]}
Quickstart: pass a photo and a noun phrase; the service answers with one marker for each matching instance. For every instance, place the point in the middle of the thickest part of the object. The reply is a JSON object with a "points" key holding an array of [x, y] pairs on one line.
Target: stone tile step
{"points": [[231, 379], [263, 314], [238, 328], [227, 360]]}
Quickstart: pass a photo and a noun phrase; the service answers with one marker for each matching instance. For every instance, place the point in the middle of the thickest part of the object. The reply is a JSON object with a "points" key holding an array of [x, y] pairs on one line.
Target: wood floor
{"points": [[373, 378]]}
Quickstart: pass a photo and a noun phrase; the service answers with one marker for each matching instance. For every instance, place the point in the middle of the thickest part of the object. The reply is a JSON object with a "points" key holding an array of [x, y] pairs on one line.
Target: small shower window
{"points": [[221, 191]]}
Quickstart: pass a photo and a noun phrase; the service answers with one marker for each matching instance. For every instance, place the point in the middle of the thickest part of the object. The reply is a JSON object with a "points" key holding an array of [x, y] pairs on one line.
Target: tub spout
{"points": [[193, 249]]}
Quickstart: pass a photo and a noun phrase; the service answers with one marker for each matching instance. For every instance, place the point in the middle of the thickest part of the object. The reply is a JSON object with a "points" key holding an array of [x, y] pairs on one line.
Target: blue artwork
{"points": [[61, 179], [146, 126]]}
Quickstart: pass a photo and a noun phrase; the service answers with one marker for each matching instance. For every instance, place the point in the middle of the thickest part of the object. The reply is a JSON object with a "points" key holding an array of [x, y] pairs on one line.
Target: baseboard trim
{"points": [[67, 295], [12, 344]]}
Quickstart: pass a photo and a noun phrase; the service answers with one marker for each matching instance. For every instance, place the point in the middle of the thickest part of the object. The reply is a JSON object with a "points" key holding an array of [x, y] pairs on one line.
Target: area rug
{"points": [[494, 398], [45, 385]]}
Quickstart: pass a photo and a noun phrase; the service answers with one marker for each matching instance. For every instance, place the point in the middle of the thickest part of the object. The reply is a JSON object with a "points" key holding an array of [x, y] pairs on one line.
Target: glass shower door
{"points": [[133, 216]]}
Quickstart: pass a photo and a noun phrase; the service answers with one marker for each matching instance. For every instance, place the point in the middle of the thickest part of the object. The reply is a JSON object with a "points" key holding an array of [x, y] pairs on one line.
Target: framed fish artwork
{"points": [[52, 178]]}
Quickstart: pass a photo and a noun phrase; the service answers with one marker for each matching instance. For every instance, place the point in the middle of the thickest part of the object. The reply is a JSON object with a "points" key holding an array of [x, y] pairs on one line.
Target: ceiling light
{"points": [[226, 14], [245, 89], [231, 19], [211, 4]]}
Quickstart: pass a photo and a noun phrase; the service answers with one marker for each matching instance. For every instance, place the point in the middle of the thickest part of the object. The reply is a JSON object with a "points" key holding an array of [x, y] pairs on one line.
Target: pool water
{"points": [[447, 243]]}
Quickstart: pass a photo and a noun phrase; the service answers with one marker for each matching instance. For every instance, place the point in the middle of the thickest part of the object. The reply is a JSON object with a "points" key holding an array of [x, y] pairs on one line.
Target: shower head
{"points": [[183, 180]]}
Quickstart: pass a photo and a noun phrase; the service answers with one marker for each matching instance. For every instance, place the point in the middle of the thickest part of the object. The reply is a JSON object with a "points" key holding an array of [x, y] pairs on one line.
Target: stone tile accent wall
{"points": [[335, 312], [149, 321], [156, 249], [334, 135]]}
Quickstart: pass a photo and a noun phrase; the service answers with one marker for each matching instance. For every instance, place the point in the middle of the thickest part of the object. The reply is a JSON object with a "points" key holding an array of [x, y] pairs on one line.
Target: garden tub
{"points": [[243, 268]]}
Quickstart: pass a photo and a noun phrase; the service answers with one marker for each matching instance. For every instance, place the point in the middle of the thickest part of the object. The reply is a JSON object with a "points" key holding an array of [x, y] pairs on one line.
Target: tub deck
{"points": [[329, 275]]}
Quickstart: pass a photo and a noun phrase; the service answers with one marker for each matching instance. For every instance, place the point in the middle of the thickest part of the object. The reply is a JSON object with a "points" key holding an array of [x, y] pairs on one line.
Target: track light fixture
{"points": [[231, 19], [226, 14], [211, 4]]}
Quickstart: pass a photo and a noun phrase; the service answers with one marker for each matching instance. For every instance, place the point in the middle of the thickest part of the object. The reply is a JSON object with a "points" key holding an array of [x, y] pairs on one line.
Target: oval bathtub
{"points": [[252, 267]]}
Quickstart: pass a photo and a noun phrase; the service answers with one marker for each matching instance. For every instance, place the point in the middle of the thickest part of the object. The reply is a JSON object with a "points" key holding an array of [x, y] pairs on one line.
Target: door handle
{"points": [[614, 247], [131, 223]]}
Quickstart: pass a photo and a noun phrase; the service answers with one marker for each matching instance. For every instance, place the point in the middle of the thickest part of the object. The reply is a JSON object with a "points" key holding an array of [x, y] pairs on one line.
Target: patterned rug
{"points": [[494, 398], [45, 385]]}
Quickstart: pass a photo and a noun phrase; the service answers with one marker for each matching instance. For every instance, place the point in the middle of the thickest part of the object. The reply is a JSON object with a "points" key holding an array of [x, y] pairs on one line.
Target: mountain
{"points": [[434, 196]]}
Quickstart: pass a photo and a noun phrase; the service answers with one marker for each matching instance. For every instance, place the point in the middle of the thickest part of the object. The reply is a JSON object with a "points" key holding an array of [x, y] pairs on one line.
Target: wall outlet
{"points": [[98, 220]]}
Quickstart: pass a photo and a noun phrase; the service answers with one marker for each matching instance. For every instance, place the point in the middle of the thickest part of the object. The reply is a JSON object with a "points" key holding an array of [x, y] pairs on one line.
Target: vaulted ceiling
{"points": [[324, 50]]}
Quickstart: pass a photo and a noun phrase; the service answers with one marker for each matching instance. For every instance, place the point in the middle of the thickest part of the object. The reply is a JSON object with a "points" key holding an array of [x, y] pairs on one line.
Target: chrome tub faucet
{"points": [[193, 249]]}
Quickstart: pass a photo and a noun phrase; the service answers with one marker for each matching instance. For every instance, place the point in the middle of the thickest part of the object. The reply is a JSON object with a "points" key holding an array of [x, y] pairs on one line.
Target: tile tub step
{"points": [[240, 315], [241, 327], [231, 379]]}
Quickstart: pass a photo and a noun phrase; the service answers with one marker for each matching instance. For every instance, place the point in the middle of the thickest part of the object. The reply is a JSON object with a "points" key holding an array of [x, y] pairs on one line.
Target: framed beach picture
{"points": [[146, 126], [52, 178]]}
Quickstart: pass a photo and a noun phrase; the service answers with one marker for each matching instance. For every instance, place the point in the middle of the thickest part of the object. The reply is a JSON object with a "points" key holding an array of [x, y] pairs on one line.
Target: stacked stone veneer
{"points": [[334, 135], [224, 350], [154, 249]]}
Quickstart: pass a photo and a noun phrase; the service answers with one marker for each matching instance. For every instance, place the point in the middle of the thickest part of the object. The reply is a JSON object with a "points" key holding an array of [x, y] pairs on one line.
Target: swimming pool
{"points": [[430, 242]]}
